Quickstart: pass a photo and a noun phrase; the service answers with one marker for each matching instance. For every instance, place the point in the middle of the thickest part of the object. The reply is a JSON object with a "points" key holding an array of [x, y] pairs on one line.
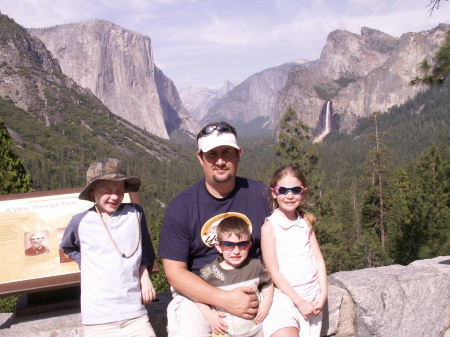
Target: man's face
{"points": [[220, 164], [36, 241]]}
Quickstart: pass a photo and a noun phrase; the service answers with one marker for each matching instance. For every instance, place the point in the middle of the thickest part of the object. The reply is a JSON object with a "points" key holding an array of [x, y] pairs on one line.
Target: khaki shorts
{"points": [[184, 318], [135, 327]]}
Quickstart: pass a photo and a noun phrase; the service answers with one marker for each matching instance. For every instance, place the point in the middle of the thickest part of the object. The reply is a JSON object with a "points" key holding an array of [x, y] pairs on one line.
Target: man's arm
{"points": [[241, 301]]}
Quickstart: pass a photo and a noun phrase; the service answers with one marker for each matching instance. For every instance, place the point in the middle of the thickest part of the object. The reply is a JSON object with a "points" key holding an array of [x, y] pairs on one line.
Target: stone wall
{"points": [[401, 301]]}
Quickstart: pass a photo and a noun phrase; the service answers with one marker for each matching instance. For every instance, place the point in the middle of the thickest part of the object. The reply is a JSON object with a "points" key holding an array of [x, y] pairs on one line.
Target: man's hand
{"points": [[242, 302]]}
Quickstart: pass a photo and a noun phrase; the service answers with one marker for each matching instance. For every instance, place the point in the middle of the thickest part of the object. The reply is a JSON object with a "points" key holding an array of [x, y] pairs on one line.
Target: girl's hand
{"points": [[262, 313], [306, 309], [318, 304]]}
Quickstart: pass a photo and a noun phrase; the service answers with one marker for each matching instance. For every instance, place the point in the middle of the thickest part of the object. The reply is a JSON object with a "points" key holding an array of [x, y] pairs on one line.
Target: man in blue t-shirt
{"points": [[189, 232]]}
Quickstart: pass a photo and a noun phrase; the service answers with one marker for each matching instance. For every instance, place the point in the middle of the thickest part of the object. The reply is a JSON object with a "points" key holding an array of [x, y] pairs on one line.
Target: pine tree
{"points": [[431, 201], [377, 162], [13, 177], [294, 147], [405, 238]]}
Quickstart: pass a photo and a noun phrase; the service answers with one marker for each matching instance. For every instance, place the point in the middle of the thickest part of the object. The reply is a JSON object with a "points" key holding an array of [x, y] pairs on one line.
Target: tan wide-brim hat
{"points": [[108, 169]]}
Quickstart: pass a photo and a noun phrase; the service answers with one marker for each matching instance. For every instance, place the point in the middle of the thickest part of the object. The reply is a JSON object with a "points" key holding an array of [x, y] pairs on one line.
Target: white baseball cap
{"points": [[215, 139]]}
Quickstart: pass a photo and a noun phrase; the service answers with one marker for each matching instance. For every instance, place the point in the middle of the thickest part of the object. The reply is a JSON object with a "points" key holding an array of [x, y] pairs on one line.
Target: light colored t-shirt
{"points": [[252, 274], [110, 284]]}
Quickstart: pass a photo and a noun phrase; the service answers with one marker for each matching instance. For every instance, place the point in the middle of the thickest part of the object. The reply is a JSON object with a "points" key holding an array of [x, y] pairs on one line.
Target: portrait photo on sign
{"points": [[36, 243]]}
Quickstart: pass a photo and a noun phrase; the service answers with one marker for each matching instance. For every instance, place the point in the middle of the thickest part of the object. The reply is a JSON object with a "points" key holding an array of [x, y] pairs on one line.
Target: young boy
{"points": [[233, 269], [112, 246]]}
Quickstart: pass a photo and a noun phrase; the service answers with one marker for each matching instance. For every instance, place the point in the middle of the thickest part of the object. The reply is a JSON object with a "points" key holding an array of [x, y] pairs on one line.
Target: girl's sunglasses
{"points": [[210, 129], [227, 245], [286, 190]]}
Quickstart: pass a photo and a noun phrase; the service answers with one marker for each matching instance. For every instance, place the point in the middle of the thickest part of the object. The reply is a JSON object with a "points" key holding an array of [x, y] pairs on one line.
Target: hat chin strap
{"points": [[110, 236]]}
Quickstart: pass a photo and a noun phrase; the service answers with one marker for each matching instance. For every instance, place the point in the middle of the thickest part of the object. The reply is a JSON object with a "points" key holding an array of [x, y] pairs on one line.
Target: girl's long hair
{"points": [[294, 171]]}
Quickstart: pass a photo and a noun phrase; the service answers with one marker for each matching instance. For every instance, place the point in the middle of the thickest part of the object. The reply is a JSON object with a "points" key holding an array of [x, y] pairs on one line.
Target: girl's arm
{"points": [[319, 302], [147, 290], [271, 262], [265, 304]]}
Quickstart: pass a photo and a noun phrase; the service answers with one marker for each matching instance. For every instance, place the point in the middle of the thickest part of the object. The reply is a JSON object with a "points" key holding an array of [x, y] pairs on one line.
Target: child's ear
{"points": [[274, 195], [218, 247]]}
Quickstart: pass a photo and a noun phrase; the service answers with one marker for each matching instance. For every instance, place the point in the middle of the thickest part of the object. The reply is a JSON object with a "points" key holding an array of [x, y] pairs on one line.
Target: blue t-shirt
{"points": [[188, 232]]}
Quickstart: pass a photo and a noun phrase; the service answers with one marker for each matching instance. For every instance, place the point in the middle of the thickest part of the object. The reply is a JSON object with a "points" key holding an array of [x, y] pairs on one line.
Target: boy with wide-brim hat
{"points": [[112, 246]]}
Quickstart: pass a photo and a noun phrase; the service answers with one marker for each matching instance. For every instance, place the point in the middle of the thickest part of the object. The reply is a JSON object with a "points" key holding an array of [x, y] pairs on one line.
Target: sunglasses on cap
{"points": [[210, 129], [286, 190], [227, 245]]}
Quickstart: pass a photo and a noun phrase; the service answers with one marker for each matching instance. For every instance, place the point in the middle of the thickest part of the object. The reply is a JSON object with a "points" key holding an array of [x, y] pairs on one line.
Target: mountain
{"points": [[59, 127], [117, 65], [358, 73], [254, 100], [198, 100], [375, 76]]}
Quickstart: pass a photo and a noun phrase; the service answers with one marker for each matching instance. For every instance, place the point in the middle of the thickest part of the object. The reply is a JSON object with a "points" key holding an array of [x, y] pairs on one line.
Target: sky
{"points": [[202, 43]]}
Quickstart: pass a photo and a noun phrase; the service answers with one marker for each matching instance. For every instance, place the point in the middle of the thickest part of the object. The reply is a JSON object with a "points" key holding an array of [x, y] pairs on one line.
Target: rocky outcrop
{"points": [[20, 54], [30, 77], [411, 300], [389, 84], [302, 96], [117, 65], [401, 301], [350, 55]]}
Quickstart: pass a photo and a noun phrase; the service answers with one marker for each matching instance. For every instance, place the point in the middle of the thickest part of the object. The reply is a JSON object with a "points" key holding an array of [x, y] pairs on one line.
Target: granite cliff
{"points": [[374, 76], [359, 73], [117, 65], [46, 111]]}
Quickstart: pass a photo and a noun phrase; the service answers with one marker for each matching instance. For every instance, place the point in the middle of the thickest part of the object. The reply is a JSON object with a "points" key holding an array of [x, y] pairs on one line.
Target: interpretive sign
{"points": [[31, 228]]}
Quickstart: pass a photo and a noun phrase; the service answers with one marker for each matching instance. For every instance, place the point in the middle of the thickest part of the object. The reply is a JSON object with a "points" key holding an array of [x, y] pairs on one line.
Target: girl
{"points": [[293, 259]]}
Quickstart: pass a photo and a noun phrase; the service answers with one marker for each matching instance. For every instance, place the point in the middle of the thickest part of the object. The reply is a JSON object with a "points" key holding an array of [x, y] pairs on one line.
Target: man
{"points": [[37, 245], [189, 232]]}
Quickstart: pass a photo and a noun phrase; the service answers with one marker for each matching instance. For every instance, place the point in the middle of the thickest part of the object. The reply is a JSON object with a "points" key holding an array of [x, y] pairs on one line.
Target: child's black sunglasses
{"points": [[285, 190], [227, 245]]}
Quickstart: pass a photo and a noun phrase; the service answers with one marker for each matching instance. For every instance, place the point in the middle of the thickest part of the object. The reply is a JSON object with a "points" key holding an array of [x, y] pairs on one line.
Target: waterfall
{"points": [[327, 129], [327, 122]]}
